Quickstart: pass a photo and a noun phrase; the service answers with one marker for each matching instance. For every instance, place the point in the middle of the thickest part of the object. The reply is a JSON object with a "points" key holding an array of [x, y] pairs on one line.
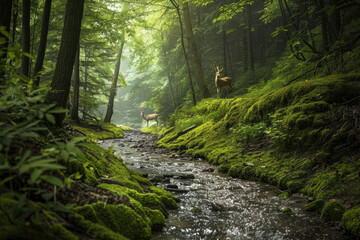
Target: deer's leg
{"points": [[218, 93]]}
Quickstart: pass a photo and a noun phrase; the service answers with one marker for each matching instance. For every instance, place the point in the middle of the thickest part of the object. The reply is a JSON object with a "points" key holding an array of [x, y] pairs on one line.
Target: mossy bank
{"points": [[102, 199], [304, 138]]}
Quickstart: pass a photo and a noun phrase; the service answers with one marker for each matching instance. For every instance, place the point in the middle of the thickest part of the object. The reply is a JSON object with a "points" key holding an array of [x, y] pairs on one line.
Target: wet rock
{"points": [[172, 186], [186, 176], [166, 180], [176, 190], [157, 178], [168, 175], [145, 175], [218, 207], [208, 170], [141, 166]]}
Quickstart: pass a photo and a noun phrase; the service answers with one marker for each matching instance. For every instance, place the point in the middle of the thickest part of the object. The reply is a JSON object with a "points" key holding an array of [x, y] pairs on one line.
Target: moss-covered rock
{"points": [[332, 211], [351, 221], [315, 206], [62, 233], [119, 218], [94, 229]]}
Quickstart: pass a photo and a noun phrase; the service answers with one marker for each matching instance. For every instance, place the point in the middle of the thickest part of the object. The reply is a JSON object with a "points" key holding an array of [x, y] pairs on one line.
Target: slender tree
{"points": [[204, 91], [110, 106], [43, 39], [177, 7], [250, 49], [5, 19], [64, 66], [76, 85], [25, 60]]}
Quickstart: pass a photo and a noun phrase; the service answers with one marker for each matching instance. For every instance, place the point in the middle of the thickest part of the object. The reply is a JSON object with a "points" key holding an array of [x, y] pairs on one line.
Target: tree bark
{"points": [[43, 39], [176, 5], [75, 102], [245, 51], [110, 107], [60, 85], [250, 38], [204, 91], [25, 61], [5, 20], [324, 30], [85, 78]]}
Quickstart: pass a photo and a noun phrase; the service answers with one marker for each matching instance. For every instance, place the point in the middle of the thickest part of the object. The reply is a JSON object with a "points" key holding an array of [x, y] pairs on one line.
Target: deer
{"points": [[149, 117], [224, 82]]}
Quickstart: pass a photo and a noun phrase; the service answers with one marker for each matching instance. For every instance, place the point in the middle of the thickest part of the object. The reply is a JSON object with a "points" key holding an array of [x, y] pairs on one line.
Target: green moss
{"points": [[284, 195], [287, 210], [120, 218], [351, 221], [94, 229], [91, 131], [314, 206], [332, 211], [156, 217], [61, 232], [161, 192]]}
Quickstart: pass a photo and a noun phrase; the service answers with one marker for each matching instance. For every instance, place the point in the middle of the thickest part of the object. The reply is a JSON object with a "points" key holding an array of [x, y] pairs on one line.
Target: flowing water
{"points": [[213, 205]]}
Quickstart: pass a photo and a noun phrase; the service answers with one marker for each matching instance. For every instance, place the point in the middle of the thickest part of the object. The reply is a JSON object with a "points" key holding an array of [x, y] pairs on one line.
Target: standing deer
{"points": [[224, 82], [149, 117]]}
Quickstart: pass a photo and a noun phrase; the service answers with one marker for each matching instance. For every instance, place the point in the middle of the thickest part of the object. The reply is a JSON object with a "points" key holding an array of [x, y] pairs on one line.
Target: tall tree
{"points": [[204, 90], [76, 84], [25, 60], [250, 49], [43, 39], [177, 7], [60, 85], [5, 19], [110, 106]]}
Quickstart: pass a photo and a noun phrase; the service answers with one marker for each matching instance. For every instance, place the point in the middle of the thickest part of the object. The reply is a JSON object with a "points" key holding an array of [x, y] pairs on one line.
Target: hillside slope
{"points": [[304, 138]]}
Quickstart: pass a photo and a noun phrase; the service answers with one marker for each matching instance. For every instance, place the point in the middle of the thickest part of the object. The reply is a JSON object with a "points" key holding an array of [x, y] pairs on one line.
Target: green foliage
{"points": [[249, 132], [350, 221]]}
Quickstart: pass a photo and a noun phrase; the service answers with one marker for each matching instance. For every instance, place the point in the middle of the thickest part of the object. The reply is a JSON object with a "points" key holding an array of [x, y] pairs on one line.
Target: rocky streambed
{"points": [[213, 205]]}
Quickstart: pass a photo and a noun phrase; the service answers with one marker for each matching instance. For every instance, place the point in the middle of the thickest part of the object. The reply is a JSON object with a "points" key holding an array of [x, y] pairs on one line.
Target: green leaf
{"points": [[34, 176], [50, 118], [52, 180], [77, 139], [65, 155]]}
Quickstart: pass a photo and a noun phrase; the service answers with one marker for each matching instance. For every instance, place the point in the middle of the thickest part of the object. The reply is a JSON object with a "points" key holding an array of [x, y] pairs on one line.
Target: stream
{"points": [[213, 205]]}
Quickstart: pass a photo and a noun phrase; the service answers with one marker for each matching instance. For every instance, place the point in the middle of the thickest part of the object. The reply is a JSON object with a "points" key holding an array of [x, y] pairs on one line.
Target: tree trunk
{"points": [[5, 20], [25, 61], [245, 51], [85, 78], [204, 91], [224, 52], [110, 107], [324, 30], [43, 39], [250, 39], [64, 66], [176, 5], [75, 102]]}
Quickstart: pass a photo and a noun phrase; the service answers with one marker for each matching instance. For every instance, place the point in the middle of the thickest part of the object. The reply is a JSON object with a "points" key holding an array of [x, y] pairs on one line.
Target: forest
{"points": [[98, 94]]}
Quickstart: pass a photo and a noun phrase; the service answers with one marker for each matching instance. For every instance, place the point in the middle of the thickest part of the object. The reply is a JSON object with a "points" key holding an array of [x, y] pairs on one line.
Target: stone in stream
{"points": [[157, 178], [167, 175], [208, 170], [172, 186], [186, 176]]}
